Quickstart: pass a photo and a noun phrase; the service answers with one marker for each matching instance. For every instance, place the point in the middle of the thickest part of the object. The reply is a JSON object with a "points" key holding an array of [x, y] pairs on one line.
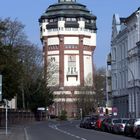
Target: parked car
{"points": [[131, 126], [90, 123], [118, 128], [99, 121], [137, 135], [83, 121], [104, 124], [108, 123]]}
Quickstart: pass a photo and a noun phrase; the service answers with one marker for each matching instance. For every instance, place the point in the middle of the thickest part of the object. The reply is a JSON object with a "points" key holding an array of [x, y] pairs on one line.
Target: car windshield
{"points": [[84, 119], [124, 121], [117, 121], [138, 119]]}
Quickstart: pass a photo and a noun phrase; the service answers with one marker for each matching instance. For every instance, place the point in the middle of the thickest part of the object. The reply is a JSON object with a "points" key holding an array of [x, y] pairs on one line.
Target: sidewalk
{"points": [[16, 132]]}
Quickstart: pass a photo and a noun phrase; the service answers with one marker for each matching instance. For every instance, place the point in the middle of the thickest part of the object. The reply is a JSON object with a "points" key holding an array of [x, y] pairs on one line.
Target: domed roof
{"points": [[67, 9]]}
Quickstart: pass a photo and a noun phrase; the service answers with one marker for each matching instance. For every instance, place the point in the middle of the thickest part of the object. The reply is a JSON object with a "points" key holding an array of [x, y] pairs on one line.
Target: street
{"points": [[68, 130]]}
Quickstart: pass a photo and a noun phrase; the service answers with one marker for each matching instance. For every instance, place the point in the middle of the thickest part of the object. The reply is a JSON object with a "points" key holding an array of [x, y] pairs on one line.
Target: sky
{"points": [[29, 11]]}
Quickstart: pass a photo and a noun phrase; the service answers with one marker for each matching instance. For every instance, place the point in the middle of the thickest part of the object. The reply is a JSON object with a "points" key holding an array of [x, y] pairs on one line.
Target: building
{"points": [[68, 34], [125, 64]]}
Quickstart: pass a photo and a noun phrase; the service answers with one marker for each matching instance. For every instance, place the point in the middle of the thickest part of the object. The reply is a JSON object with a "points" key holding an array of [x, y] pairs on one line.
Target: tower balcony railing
{"points": [[72, 73]]}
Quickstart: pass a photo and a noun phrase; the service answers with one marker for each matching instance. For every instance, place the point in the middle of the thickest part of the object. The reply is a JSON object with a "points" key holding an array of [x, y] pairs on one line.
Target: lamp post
{"points": [[81, 113], [0, 87], [6, 120], [6, 106], [61, 99]]}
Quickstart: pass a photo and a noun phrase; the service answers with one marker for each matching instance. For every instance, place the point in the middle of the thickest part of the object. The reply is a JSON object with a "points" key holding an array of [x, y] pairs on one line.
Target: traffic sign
{"points": [[115, 111]]}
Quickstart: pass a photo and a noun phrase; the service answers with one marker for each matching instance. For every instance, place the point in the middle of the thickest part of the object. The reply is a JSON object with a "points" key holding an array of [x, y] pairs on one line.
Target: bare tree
{"points": [[13, 34], [100, 86], [90, 97], [51, 73], [85, 100], [21, 66]]}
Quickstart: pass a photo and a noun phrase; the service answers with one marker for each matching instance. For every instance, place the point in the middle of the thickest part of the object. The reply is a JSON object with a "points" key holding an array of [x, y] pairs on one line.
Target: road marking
{"points": [[26, 134], [65, 132], [83, 139]]}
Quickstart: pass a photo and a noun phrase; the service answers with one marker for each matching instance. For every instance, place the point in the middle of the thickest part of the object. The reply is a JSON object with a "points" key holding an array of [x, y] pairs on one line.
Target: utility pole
{"points": [[6, 116], [81, 113], [0, 87], [23, 95]]}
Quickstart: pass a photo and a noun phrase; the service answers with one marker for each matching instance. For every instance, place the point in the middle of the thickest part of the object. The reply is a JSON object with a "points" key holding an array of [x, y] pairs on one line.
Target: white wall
{"points": [[53, 41], [72, 81], [71, 40], [88, 69], [71, 52]]}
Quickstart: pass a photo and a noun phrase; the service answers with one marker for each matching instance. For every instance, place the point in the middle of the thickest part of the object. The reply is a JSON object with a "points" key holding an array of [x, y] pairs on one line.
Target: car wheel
{"points": [[137, 135], [125, 133]]}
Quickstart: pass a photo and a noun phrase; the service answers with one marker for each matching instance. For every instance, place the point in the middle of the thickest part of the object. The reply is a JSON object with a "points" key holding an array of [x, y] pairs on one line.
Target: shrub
{"points": [[63, 115]]}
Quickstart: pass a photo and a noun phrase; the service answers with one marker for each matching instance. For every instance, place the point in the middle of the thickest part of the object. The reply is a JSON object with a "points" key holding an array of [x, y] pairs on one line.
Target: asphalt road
{"points": [[68, 130]]}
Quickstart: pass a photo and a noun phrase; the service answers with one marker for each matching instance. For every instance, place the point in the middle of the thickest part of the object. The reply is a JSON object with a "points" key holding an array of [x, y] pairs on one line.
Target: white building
{"points": [[68, 35], [125, 64]]}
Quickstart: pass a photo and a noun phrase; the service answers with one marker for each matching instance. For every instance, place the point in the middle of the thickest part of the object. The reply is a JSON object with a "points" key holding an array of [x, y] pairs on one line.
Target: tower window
{"points": [[52, 59], [70, 19], [51, 20], [71, 70]]}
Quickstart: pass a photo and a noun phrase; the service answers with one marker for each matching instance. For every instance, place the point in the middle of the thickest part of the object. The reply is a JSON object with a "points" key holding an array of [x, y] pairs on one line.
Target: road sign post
{"points": [[0, 87], [6, 117]]}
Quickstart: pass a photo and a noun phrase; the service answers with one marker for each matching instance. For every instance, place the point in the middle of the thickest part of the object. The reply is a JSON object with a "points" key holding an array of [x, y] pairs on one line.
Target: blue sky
{"points": [[29, 11]]}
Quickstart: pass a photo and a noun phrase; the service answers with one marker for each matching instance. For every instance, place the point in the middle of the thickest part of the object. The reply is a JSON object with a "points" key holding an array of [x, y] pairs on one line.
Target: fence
{"points": [[20, 116]]}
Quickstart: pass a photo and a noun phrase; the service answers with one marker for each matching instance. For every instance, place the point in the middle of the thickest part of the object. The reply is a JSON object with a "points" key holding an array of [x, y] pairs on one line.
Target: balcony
{"points": [[72, 74], [134, 52], [52, 25], [108, 73], [109, 59], [109, 89], [91, 26], [71, 24]]}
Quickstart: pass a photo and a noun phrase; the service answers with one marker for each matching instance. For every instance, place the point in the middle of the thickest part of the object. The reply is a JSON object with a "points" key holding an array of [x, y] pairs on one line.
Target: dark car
{"points": [[137, 134], [90, 123], [131, 126], [83, 121]]}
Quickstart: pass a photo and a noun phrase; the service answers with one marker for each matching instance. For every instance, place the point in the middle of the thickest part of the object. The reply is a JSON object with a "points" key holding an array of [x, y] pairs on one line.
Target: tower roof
{"points": [[67, 8]]}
